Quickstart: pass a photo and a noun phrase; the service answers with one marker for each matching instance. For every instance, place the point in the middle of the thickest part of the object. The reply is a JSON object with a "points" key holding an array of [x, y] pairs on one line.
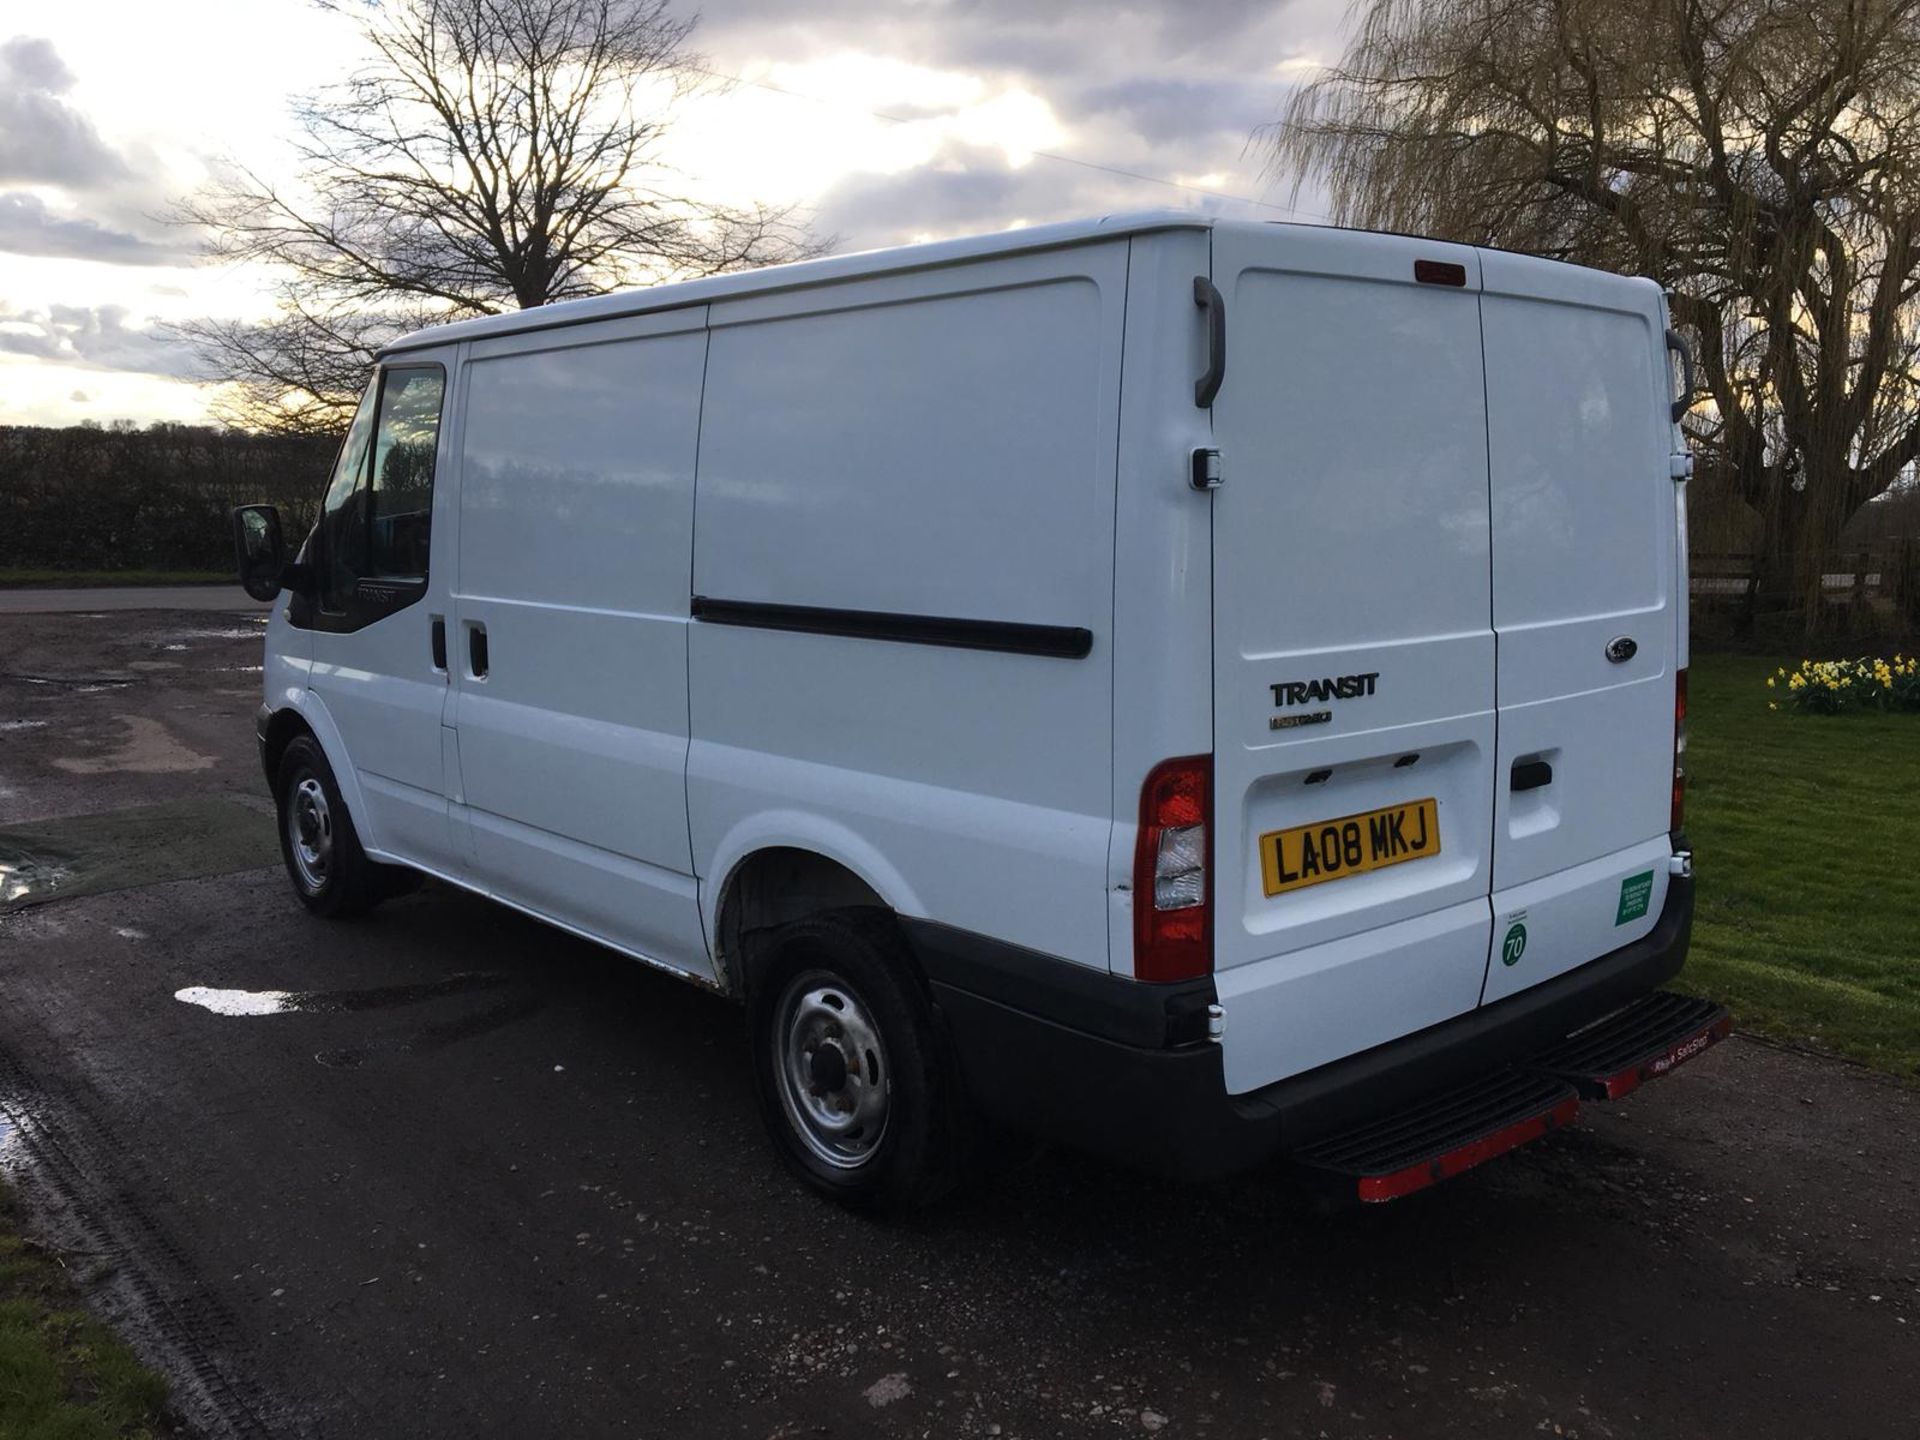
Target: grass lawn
{"points": [[1806, 838], [89, 579], [63, 1375]]}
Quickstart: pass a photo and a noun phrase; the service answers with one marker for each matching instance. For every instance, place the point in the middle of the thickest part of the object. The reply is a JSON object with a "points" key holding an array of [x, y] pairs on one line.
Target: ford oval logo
{"points": [[1621, 649]]}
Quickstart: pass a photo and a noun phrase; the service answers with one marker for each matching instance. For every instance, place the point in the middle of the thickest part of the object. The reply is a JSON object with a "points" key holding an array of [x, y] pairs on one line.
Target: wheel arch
{"points": [[786, 876], [308, 716], [283, 727]]}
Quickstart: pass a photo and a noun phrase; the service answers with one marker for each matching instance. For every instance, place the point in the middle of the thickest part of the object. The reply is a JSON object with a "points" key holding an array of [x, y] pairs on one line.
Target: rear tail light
{"points": [[1679, 751], [1172, 858]]}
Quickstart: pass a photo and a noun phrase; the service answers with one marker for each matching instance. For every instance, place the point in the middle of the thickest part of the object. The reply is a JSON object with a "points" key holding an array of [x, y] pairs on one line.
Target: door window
{"points": [[342, 531], [400, 509], [377, 519]]}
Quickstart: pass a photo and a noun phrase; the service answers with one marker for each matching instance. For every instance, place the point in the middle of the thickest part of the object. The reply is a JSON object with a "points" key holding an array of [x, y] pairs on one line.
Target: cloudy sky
{"points": [[891, 122]]}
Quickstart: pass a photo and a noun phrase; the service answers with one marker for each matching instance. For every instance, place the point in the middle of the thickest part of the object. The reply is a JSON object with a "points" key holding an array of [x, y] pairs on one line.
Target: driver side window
{"points": [[342, 531], [376, 521]]}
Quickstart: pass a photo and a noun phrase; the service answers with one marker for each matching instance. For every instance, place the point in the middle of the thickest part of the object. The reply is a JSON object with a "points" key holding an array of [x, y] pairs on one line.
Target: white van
{"points": [[1202, 691]]}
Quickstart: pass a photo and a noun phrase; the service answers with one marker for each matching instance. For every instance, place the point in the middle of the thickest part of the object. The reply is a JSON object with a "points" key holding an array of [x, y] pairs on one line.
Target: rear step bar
{"points": [[1479, 1119], [1616, 1056]]}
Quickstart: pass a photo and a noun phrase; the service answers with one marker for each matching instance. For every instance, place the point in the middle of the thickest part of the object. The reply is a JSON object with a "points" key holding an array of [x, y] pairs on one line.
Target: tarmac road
{"points": [[486, 1180], [142, 597]]}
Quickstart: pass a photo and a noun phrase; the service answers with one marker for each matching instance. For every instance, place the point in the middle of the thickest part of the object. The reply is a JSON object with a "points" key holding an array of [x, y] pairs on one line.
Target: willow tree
{"points": [[1760, 158], [487, 155]]}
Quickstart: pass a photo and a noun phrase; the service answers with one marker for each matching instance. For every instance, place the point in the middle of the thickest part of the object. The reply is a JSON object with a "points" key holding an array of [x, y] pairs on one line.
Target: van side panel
{"points": [[935, 446], [575, 543], [1163, 549]]}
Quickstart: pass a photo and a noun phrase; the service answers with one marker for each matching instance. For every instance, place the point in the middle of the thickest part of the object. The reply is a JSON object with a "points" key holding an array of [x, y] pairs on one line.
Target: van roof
{"points": [[804, 272]]}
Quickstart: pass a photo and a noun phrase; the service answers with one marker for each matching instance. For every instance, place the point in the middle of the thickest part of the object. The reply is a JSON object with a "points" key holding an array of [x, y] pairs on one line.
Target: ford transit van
{"points": [[1207, 692]]}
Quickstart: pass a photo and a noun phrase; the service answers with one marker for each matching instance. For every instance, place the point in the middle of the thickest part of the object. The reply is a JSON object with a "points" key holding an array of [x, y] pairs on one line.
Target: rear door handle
{"points": [[477, 650], [1208, 299], [1680, 347], [1531, 775], [439, 643]]}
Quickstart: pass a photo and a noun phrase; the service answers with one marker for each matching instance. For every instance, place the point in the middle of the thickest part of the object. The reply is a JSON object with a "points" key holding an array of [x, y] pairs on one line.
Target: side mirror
{"points": [[259, 552]]}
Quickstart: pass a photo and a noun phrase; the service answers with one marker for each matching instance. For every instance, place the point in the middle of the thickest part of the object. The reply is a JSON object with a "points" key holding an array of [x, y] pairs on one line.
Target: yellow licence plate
{"points": [[1352, 845]]}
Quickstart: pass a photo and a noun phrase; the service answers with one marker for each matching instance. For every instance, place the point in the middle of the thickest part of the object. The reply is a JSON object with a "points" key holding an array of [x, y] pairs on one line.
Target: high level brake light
{"points": [[1679, 751], [1172, 909]]}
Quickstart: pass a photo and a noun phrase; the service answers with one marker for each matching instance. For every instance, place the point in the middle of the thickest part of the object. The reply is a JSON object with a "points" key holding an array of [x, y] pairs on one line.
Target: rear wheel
{"points": [[330, 871], [854, 1079]]}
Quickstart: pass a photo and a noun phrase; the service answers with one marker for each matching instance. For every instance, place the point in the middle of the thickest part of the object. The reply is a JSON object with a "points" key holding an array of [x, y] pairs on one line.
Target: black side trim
{"points": [[1095, 1002], [1064, 642], [369, 601]]}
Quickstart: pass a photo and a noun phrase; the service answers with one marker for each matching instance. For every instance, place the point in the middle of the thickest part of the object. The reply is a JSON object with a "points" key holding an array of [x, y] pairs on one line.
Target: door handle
{"points": [[1208, 299], [1531, 774], [477, 650], [1680, 347], [439, 643]]}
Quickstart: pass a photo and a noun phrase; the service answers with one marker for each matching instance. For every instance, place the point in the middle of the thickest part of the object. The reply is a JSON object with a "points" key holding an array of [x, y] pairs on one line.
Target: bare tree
{"points": [[490, 155], [1760, 158]]}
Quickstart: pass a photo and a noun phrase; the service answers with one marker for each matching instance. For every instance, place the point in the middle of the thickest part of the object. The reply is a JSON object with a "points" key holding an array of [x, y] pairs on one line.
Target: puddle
{"points": [[173, 647], [81, 681], [127, 932], [101, 688], [240, 1002], [153, 664], [238, 632], [118, 849], [27, 878], [312, 1002], [7, 725], [148, 749]]}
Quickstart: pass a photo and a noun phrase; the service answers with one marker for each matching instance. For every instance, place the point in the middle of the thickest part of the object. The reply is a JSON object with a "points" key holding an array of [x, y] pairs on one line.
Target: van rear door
{"points": [[1353, 654], [1584, 602]]}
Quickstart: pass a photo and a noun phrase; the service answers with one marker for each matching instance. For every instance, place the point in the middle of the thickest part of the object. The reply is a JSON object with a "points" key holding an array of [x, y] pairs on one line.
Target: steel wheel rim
{"points": [[310, 834], [832, 1070]]}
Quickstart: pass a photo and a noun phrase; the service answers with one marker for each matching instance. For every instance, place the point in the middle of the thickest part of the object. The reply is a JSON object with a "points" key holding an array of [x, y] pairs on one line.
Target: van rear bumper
{"points": [[1111, 1065]]}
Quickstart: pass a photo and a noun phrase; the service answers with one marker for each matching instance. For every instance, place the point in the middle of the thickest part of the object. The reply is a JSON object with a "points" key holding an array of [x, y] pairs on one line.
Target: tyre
{"points": [[330, 872], [855, 1081]]}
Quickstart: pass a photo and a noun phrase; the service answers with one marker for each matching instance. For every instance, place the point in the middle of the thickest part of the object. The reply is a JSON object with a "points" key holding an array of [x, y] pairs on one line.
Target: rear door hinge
{"points": [[1205, 472], [1680, 465]]}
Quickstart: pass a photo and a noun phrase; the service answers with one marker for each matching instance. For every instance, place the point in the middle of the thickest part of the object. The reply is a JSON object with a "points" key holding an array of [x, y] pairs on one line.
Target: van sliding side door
{"points": [[568, 638]]}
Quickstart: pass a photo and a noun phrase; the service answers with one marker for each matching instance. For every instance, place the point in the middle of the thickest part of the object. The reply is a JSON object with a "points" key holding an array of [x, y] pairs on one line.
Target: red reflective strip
{"points": [[1627, 1081], [1376, 1188]]}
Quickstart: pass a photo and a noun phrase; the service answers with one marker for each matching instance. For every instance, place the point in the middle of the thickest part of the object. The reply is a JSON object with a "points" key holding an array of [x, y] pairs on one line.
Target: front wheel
{"points": [[330, 871], [854, 1079]]}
